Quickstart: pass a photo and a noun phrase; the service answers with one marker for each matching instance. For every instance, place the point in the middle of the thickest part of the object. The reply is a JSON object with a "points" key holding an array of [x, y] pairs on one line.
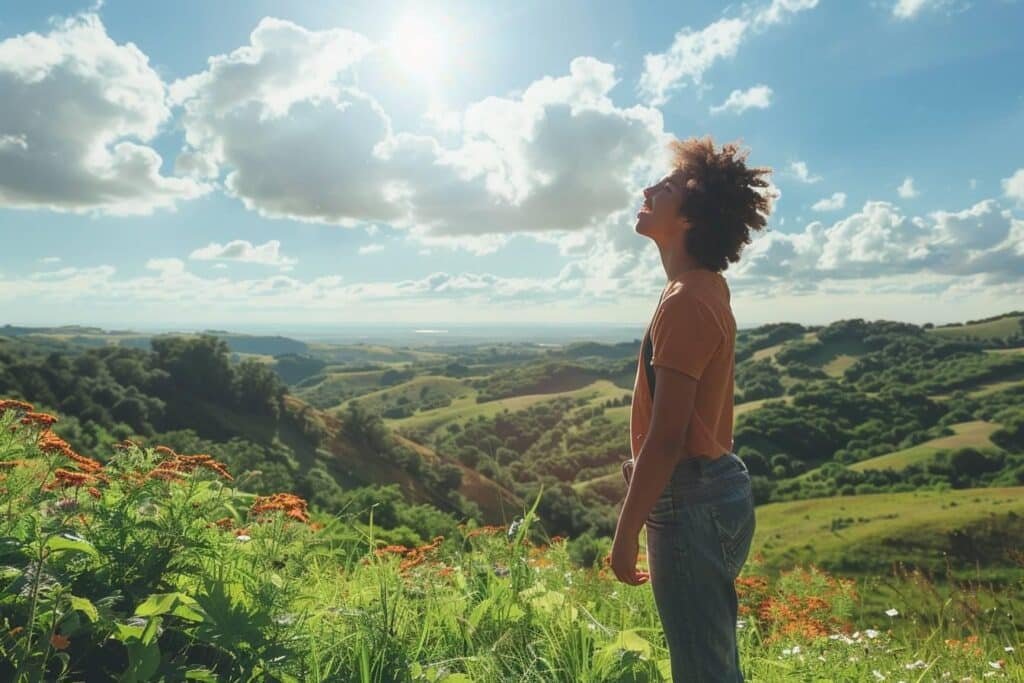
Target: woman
{"points": [[685, 482]]}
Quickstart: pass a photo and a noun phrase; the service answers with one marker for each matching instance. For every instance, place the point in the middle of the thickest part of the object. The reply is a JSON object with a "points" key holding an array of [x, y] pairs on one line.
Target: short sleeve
{"points": [[684, 334]]}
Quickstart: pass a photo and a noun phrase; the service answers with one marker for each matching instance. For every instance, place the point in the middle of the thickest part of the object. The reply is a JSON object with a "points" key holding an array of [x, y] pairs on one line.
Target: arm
{"points": [[674, 394], [685, 336]]}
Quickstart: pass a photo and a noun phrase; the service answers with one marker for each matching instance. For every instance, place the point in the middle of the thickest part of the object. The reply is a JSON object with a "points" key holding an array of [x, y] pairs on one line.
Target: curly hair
{"points": [[725, 199]]}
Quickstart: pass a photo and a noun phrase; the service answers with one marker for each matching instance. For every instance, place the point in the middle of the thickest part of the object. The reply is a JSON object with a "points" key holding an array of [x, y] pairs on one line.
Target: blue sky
{"points": [[224, 164]]}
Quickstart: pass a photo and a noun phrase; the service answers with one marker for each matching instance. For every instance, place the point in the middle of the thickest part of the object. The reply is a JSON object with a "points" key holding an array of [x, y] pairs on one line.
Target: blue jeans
{"points": [[698, 538]]}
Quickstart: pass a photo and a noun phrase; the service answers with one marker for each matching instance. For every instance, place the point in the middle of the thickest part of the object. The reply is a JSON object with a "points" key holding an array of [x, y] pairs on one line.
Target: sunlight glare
{"points": [[420, 44]]}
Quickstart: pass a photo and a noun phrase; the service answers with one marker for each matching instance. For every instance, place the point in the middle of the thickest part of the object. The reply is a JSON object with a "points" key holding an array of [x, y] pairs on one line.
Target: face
{"points": [[659, 217]]}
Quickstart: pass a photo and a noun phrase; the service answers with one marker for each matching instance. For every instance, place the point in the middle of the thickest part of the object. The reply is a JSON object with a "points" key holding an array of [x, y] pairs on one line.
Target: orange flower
{"points": [[59, 642], [95, 492], [487, 530], [288, 503], [43, 420], [165, 475], [12, 404], [51, 443], [69, 479], [186, 464]]}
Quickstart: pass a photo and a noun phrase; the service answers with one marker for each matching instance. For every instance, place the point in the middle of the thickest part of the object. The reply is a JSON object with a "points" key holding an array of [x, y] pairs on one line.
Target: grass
{"points": [[874, 531], [427, 422], [992, 329], [179, 577], [974, 433]]}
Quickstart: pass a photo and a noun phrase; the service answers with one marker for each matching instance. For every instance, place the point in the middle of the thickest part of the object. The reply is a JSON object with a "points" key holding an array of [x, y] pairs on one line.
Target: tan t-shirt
{"points": [[693, 331]]}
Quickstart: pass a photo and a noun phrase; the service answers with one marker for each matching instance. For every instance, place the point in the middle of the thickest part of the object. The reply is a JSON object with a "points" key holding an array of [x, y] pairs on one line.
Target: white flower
{"points": [[998, 664], [1008, 648], [879, 676], [892, 612], [740, 623], [919, 664], [871, 633], [243, 538]]}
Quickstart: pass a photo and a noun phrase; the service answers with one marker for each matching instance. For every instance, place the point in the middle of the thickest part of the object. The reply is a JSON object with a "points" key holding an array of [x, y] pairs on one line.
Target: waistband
{"points": [[706, 468]]}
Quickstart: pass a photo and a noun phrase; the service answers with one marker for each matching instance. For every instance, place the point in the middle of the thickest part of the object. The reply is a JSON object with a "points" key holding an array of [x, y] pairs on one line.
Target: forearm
{"points": [[653, 469]]}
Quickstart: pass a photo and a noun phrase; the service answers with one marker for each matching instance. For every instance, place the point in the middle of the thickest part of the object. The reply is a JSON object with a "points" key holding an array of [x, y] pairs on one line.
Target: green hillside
{"points": [[871, 532], [975, 434], [999, 327]]}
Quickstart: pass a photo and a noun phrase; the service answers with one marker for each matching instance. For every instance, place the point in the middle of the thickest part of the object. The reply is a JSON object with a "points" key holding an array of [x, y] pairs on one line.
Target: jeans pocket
{"points": [[735, 522], [664, 508]]}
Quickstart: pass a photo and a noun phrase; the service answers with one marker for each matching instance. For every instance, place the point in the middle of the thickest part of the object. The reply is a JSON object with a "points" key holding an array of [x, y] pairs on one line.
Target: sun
{"points": [[421, 45]]}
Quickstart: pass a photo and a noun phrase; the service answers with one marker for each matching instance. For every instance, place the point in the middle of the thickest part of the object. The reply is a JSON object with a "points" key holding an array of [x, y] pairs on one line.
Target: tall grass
{"points": [[155, 566]]}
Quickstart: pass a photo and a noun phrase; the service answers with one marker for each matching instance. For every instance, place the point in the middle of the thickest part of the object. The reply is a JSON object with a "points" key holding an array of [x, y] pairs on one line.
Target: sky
{"points": [[265, 163]]}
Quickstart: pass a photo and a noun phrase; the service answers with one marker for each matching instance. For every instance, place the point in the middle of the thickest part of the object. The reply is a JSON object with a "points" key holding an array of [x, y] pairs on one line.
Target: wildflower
{"points": [[49, 442], [242, 538], [59, 642], [95, 492], [998, 664], [919, 664], [871, 633], [187, 464], [879, 676], [488, 530], [12, 405], [69, 479], [290, 504], [513, 528], [43, 420], [225, 522], [1008, 648], [892, 612]]}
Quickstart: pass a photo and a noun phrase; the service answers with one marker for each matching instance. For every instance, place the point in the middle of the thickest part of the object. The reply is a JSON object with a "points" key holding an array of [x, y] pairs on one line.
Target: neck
{"points": [[676, 261]]}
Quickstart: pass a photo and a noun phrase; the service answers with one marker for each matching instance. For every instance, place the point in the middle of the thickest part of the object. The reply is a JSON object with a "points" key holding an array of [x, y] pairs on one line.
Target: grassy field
{"points": [[975, 433], [986, 330], [466, 407], [412, 390], [869, 533]]}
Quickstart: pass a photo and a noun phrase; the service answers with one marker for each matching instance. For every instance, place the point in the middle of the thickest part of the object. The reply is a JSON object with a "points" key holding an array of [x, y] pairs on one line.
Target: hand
{"points": [[625, 549]]}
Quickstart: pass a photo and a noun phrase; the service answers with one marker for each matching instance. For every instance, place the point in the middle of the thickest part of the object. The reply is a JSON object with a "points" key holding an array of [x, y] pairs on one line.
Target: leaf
{"points": [[86, 607], [143, 661], [456, 678], [479, 611], [632, 642], [200, 675], [178, 604], [71, 543]]}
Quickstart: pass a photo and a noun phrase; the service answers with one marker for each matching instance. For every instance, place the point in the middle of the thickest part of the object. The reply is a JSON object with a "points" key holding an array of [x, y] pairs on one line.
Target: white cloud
{"points": [[370, 249], [559, 156], [738, 101], [906, 190], [50, 259], [908, 9], [833, 203], [877, 250], [692, 52], [799, 170], [75, 108], [1013, 187], [243, 251], [982, 242]]}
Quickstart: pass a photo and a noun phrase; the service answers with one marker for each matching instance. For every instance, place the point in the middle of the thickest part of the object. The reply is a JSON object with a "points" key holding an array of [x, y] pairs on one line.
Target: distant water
{"points": [[440, 333]]}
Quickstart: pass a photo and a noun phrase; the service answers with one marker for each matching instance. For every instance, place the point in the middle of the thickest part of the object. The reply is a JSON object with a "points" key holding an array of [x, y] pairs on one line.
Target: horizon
{"points": [[290, 165]]}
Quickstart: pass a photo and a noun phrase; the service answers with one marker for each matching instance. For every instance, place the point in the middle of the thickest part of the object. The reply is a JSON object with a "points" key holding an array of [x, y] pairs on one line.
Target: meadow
{"points": [[157, 565]]}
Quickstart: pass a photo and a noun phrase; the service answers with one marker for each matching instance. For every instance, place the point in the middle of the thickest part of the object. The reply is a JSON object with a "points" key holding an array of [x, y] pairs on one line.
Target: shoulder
{"points": [[684, 302]]}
